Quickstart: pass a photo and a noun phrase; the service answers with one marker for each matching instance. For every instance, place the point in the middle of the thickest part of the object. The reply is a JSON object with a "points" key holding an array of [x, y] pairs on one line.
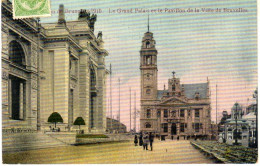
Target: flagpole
{"points": [[130, 111], [111, 96], [135, 115], [119, 104], [216, 103]]}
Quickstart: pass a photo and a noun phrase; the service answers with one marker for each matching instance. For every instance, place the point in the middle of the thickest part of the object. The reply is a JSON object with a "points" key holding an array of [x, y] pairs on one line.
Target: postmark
{"points": [[31, 8]]}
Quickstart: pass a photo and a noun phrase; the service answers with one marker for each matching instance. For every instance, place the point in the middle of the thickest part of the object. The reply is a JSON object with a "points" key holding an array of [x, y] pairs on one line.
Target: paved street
{"points": [[125, 152]]}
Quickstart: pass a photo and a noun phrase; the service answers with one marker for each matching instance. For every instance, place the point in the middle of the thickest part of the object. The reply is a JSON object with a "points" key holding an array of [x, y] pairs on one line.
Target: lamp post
{"points": [[236, 104], [256, 133]]}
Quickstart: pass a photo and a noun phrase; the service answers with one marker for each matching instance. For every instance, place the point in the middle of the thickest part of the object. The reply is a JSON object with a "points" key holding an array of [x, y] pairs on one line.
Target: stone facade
{"points": [[180, 110], [52, 67]]}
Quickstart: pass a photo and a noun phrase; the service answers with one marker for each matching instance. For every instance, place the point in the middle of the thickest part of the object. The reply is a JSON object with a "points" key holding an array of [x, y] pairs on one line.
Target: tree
{"points": [[79, 121], [55, 117]]}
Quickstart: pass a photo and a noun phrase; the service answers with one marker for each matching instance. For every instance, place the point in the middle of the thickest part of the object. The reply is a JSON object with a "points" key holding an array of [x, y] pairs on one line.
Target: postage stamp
{"points": [[31, 8]]}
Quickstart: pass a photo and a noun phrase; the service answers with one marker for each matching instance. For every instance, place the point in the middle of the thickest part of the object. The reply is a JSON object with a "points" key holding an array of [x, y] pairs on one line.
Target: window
{"points": [[173, 87], [197, 127], [148, 113], [16, 54], [197, 113], [148, 91], [158, 113], [182, 127], [148, 125], [173, 113], [182, 113], [189, 114], [165, 113], [165, 127], [147, 44], [148, 60]]}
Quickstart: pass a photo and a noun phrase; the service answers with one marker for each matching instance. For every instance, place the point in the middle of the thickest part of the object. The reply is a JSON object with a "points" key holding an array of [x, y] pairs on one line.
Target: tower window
{"points": [[148, 113], [148, 60], [147, 45]]}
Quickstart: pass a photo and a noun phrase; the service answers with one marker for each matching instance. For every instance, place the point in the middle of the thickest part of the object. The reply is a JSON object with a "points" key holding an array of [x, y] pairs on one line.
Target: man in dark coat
{"points": [[141, 139], [136, 140], [151, 137]]}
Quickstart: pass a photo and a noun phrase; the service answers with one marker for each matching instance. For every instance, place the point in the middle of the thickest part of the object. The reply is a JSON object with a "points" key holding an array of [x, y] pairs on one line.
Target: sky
{"points": [[216, 44]]}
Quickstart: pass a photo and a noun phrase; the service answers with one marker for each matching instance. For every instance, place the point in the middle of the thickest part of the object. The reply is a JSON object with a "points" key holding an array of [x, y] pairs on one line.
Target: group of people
{"points": [[144, 140]]}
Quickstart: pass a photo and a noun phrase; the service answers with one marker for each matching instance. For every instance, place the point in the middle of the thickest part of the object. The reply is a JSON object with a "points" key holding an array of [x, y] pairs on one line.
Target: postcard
{"points": [[129, 82]]}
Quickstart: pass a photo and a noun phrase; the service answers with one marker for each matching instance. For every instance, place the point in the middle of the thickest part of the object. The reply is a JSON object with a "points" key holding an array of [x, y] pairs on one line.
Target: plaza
{"points": [[169, 151]]}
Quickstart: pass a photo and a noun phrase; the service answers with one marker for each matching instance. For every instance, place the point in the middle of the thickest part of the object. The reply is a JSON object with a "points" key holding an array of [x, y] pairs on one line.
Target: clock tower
{"points": [[148, 67]]}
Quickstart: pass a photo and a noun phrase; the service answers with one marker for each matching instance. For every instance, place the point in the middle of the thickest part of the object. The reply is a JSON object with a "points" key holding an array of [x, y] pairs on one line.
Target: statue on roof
{"points": [[91, 18], [99, 36]]}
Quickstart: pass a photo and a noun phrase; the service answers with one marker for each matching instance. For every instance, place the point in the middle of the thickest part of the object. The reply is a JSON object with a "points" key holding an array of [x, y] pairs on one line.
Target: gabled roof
{"points": [[191, 89]]}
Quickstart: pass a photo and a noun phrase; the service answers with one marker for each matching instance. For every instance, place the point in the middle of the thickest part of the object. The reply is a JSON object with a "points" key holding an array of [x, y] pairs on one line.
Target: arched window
{"points": [[16, 53], [147, 44], [148, 113], [148, 125], [148, 60]]}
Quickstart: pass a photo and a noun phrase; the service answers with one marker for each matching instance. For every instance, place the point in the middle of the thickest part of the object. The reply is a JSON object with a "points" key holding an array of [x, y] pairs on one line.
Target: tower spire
{"points": [[148, 26]]}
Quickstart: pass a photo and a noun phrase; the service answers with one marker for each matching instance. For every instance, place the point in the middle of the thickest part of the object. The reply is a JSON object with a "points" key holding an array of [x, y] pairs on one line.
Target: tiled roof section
{"points": [[191, 89], [160, 93]]}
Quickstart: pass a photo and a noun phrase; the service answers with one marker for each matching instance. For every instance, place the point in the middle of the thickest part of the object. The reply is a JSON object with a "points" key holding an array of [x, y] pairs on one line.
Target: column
{"points": [[10, 97], [21, 101]]}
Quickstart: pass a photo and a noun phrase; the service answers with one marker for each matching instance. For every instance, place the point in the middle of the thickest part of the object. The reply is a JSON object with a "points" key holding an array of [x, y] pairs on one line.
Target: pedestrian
{"points": [[141, 139], [136, 140], [184, 137], [178, 138], [151, 137], [145, 141], [172, 137]]}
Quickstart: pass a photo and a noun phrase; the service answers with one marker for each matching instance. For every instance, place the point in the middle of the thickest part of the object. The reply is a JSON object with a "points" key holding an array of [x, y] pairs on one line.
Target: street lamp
{"points": [[236, 143], [256, 132]]}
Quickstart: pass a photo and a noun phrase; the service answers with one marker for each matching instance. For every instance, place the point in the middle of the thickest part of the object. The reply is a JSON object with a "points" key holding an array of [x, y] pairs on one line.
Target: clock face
{"points": [[148, 76]]}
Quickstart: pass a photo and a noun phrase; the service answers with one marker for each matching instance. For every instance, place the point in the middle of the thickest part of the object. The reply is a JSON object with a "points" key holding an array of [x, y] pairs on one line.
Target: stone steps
{"points": [[13, 142]]}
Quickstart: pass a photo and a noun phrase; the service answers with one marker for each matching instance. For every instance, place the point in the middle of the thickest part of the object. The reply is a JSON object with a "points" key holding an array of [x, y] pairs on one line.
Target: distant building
{"points": [[246, 127], [180, 110], [116, 127]]}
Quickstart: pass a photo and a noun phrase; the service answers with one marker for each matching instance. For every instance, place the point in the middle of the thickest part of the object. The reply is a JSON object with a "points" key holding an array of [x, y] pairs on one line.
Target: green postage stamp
{"points": [[31, 8]]}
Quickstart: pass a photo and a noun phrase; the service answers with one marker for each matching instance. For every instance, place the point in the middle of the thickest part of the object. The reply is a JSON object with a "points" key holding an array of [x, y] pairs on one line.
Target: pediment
{"points": [[174, 101]]}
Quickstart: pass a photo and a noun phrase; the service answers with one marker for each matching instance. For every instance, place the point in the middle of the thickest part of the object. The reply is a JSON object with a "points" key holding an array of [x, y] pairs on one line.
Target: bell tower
{"points": [[148, 67]]}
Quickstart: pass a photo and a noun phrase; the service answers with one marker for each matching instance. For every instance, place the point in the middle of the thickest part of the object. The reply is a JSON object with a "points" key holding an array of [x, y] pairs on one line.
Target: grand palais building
{"points": [[52, 67], [180, 110]]}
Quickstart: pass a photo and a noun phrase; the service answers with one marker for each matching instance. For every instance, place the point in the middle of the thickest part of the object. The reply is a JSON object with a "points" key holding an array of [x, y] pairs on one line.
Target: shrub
{"points": [[79, 121], [55, 117]]}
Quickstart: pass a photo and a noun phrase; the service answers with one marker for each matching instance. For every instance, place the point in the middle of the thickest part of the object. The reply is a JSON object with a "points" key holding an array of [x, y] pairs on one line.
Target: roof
{"points": [[249, 116], [191, 89], [160, 93]]}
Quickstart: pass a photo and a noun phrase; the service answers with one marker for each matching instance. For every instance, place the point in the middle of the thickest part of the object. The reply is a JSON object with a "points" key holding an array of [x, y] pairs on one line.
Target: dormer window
{"points": [[173, 88], [197, 95]]}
